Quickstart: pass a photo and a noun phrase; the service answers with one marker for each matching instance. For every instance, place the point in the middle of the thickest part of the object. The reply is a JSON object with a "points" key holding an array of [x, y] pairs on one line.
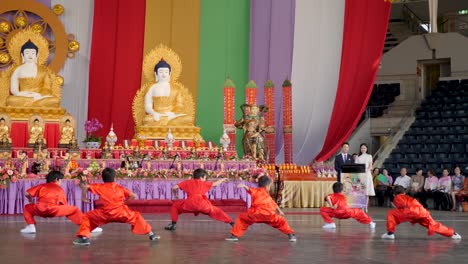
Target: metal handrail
{"points": [[392, 133], [414, 21]]}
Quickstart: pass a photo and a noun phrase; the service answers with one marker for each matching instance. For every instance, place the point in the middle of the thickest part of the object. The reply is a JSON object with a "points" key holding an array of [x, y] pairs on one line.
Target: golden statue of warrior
{"points": [[29, 86], [253, 124], [162, 102]]}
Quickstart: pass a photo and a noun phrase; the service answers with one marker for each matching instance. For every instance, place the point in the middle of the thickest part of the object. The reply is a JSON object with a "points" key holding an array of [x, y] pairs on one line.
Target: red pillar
{"points": [[287, 121], [229, 91], [251, 93], [269, 95]]}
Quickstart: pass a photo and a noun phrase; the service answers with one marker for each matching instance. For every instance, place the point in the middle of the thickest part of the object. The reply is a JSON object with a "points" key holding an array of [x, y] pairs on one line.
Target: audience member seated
{"points": [[403, 180], [457, 186], [417, 184], [442, 198], [430, 186], [463, 193], [383, 186]]}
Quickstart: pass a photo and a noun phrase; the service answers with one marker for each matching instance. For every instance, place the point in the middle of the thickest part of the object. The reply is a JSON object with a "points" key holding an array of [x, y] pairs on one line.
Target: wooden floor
{"points": [[201, 240]]}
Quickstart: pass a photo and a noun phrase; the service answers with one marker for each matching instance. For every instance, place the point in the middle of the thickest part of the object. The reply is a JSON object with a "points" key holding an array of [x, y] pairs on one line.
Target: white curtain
{"points": [[318, 39], [78, 20]]}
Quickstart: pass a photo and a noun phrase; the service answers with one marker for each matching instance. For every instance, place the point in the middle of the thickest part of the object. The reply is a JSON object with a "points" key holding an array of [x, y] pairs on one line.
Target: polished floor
{"points": [[201, 240]]}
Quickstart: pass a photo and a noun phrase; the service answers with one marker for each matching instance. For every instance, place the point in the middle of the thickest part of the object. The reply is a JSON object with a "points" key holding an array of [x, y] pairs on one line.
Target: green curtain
{"points": [[224, 51]]}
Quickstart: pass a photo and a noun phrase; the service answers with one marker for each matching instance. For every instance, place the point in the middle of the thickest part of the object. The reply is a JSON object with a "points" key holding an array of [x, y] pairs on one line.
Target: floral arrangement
{"points": [[91, 127], [247, 174], [94, 168], [7, 175], [80, 176]]}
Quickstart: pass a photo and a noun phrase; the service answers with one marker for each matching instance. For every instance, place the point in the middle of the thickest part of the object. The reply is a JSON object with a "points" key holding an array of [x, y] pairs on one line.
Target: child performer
{"points": [[410, 210], [263, 210], [114, 209], [51, 202], [196, 202], [339, 209]]}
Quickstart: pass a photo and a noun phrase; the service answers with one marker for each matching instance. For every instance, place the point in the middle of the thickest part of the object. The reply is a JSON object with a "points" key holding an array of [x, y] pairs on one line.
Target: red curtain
{"points": [[115, 64], [365, 27], [19, 134], [52, 134]]}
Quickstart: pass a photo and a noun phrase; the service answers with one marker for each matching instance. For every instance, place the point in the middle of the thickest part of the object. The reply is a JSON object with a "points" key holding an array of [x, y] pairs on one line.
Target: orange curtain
{"points": [[176, 23]]}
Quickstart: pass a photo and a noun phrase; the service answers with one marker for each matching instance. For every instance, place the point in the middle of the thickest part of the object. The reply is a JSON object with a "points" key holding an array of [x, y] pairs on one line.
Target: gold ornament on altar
{"points": [[29, 83], [162, 101], [67, 131]]}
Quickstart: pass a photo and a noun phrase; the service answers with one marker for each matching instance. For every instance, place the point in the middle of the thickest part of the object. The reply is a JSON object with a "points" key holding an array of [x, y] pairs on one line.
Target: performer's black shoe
{"points": [[292, 238], [153, 237], [82, 241], [170, 227], [232, 238], [232, 223]]}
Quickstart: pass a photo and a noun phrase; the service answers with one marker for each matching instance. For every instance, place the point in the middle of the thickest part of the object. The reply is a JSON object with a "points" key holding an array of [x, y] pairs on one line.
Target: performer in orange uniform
{"points": [[51, 202], [114, 209], [410, 210], [263, 210], [196, 201], [339, 209]]}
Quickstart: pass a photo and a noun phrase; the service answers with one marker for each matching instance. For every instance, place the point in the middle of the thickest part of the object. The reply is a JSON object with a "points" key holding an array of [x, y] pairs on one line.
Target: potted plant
{"points": [[91, 127]]}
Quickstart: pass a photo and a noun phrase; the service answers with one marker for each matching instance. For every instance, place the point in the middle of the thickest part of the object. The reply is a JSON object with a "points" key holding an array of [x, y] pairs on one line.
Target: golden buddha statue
{"points": [[36, 131], [67, 131], [162, 102], [29, 86], [4, 131]]}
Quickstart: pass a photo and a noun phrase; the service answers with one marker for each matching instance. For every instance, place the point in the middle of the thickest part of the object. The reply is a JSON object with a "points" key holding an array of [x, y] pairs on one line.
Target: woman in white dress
{"points": [[365, 158]]}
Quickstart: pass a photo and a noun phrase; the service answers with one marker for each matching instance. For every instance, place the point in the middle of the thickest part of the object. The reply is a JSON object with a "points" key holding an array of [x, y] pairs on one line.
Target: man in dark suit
{"points": [[343, 158]]}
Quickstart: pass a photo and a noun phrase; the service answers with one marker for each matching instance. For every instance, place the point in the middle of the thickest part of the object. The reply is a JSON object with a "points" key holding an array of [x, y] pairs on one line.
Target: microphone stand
{"points": [[173, 160]]}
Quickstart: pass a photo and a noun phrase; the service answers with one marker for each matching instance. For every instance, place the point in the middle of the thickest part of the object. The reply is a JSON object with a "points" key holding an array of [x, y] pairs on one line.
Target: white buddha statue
{"points": [[32, 84], [164, 105]]}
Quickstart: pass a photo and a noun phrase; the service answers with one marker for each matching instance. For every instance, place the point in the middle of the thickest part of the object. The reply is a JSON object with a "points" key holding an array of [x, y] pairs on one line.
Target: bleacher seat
{"points": [[438, 137]]}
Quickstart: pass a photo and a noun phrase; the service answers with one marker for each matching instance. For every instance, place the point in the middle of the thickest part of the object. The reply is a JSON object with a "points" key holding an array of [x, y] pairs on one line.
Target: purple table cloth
{"points": [[157, 164], [12, 199]]}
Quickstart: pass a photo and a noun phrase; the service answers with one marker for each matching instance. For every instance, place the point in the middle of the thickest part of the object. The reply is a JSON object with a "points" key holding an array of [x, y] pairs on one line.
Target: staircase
{"points": [[391, 121], [400, 29], [397, 32]]}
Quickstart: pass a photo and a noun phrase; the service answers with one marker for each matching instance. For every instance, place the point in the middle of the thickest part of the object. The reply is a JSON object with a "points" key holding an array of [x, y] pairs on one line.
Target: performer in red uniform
{"points": [[196, 202], [339, 209], [113, 210], [410, 210], [51, 202], [263, 210]]}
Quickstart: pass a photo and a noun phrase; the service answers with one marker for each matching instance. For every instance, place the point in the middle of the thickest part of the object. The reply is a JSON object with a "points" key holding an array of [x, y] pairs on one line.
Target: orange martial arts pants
{"points": [[328, 213], [397, 216], [244, 220], [98, 217], [181, 207], [51, 210]]}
